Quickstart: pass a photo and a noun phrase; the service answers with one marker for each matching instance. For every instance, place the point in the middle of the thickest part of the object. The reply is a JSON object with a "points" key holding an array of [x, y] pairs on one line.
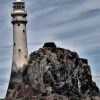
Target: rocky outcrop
{"points": [[55, 73]]}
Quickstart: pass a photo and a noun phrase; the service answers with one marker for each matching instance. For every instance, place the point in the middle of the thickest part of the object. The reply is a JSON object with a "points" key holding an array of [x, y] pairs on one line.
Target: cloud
{"points": [[96, 77], [38, 5], [3, 86], [88, 14], [3, 81]]}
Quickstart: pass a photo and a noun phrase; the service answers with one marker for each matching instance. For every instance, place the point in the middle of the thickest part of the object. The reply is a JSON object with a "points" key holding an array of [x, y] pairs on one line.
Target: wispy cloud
{"points": [[3, 86], [3, 81]]}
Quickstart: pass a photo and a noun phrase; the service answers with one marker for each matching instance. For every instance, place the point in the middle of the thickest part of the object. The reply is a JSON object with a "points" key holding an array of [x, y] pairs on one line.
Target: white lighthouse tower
{"points": [[20, 51]]}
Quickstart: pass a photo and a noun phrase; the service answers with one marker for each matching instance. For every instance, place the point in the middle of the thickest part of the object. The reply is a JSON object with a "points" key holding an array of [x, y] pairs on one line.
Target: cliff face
{"points": [[55, 74]]}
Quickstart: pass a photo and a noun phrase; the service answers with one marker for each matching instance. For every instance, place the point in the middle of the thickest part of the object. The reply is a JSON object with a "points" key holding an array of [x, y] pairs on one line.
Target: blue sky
{"points": [[71, 24]]}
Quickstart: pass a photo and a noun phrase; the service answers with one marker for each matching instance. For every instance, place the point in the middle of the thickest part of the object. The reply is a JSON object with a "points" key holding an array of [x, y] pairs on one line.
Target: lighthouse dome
{"points": [[18, 1]]}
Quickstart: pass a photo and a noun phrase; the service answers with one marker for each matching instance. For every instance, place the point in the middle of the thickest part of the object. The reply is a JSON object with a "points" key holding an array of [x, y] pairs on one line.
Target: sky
{"points": [[71, 24]]}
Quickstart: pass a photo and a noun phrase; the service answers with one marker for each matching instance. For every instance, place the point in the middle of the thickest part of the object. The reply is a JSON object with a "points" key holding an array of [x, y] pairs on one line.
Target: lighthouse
{"points": [[20, 50]]}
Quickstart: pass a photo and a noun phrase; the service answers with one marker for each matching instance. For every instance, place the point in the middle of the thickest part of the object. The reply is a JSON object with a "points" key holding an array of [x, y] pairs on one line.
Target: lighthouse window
{"points": [[18, 24], [25, 56], [14, 44], [23, 31], [19, 50]]}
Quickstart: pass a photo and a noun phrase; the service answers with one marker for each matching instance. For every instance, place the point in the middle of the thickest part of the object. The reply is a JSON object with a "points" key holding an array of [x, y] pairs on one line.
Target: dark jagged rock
{"points": [[49, 44], [55, 74], [84, 60]]}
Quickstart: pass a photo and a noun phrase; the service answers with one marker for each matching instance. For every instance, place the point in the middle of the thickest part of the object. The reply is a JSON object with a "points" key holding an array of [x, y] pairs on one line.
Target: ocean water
{"points": [[71, 24]]}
